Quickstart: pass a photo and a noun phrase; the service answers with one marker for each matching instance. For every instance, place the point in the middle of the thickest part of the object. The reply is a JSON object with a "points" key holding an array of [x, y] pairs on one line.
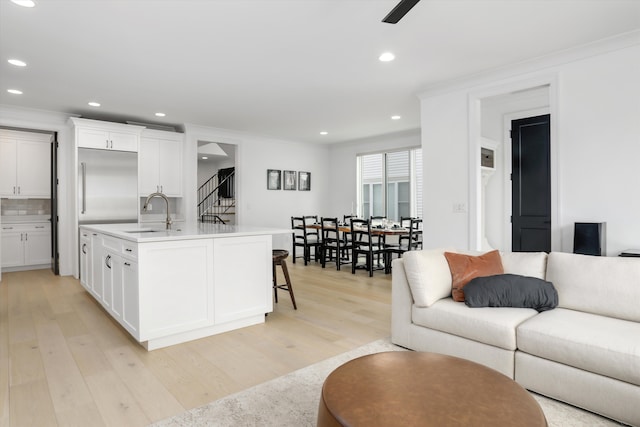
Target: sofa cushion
{"points": [[531, 264], [428, 276], [490, 325], [594, 343], [466, 267], [510, 290], [609, 286]]}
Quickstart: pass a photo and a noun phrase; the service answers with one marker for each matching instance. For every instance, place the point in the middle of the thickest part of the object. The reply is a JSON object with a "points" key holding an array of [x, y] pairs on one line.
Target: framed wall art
{"points": [[304, 181], [274, 180], [289, 180]]}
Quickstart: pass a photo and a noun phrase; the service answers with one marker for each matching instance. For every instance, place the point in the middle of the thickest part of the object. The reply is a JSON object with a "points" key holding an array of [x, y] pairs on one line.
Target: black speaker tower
{"points": [[589, 238]]}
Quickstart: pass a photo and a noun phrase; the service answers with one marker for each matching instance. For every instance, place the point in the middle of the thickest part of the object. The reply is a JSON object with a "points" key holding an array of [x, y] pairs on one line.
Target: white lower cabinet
{"points": [[26, 245], [96, 266], [119, 283], [130, 298], [12, 247], [86, 261]]}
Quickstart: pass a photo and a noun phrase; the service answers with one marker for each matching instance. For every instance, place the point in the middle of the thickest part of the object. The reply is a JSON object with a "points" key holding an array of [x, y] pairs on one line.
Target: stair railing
{"points": [[210, 204]]}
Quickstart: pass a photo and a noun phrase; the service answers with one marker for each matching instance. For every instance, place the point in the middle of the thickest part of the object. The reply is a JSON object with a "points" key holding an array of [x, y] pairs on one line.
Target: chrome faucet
{"points": [[151, 196]]}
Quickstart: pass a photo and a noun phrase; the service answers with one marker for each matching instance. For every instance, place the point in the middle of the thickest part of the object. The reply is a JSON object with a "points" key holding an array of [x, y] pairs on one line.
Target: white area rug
{"points": [[292, 400]]}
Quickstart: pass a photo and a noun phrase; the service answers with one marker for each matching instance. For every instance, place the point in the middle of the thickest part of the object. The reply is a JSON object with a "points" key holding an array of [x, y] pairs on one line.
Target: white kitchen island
{"points": [[171, 286]]}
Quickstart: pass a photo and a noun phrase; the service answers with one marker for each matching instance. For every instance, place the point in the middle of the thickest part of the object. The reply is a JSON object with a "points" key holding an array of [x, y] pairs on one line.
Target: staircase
{"points": [[216, 198]]}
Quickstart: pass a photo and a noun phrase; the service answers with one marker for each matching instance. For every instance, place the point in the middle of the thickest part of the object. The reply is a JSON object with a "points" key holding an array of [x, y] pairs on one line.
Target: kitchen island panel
{"points": [[242, 277], [176, 287]]}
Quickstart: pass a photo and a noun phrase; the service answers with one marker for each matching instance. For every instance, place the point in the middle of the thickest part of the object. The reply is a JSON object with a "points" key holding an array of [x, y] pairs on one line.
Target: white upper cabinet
{"points": [[120, 141], [25, 165], [160, 163], [106, 135]]}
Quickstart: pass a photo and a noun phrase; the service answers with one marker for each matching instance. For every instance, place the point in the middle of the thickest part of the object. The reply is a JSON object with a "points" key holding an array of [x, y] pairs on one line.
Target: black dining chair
{"points": [[413, 239], [305, 238], [406, 242], [367, 244], [333, 247], [377, 222]]}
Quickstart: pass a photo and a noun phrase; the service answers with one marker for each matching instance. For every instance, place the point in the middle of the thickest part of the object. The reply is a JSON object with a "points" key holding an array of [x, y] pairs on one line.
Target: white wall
{"points": [[446, 174], [597, 126], [255, 205], [342, 173], [599, 102]]}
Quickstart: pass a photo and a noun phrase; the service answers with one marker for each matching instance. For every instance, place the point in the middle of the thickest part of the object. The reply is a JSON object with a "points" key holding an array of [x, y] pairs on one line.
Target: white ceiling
{"points": [[285, 68]]}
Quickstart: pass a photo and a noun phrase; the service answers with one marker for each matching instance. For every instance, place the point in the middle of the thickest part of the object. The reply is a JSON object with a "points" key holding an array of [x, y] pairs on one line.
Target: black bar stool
{"points": [[278, 257]]}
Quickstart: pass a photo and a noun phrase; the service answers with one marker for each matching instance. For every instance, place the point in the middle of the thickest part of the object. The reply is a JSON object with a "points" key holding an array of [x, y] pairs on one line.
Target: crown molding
{"points": [[606, 45]]}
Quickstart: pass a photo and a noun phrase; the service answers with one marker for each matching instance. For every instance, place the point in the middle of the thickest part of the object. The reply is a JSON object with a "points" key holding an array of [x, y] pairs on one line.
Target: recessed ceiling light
{"points": [[324, 132], [160, 114], [204, 158], [395, 117], [24, 3], [386, 57], [94, 104], [17, 63], [15, 91]]}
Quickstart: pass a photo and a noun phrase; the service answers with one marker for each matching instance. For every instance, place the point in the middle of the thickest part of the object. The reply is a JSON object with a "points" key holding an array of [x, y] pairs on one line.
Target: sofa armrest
{"points": [[401, 304]]}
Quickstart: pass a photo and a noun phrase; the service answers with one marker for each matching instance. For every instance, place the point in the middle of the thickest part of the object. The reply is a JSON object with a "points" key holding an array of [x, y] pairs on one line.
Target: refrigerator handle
{"points": [[84, 187]]}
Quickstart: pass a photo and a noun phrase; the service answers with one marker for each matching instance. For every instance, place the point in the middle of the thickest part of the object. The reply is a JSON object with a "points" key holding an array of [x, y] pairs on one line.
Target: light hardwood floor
{"points": [[64, 361]]}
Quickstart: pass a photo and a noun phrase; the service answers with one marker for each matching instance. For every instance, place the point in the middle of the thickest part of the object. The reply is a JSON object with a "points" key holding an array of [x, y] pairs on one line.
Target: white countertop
{"points": [[143, 233]]}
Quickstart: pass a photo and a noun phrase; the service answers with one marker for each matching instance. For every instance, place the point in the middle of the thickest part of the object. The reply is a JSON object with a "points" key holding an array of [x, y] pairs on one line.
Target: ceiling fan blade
{"points": [[399, 11]]}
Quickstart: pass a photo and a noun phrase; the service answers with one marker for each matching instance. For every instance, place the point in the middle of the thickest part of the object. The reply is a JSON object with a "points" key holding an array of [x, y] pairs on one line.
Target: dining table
{"points": [[386, 231]]}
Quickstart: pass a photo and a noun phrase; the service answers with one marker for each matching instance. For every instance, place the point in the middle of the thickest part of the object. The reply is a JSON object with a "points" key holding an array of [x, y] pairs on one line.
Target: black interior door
{"points": [[531, 184]]}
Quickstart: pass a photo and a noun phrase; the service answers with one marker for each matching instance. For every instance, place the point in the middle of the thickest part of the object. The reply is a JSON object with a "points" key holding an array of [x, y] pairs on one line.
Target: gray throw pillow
{"points": [[511, 290]]}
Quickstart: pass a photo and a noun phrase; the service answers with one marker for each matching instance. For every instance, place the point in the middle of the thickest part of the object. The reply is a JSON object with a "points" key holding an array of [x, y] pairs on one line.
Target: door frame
{"points": [[475, 97]]}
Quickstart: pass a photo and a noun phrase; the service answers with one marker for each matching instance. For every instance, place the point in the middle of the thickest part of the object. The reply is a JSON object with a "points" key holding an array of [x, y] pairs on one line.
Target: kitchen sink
{"points": [[149, 230]]}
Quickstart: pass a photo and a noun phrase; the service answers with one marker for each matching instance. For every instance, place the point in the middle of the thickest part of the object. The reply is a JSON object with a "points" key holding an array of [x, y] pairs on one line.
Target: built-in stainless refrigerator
{"points": [[107, 186]]}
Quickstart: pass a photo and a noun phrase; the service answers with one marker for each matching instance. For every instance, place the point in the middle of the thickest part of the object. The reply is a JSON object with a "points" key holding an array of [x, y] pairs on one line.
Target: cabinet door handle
{"points": [[127, 250], [14, 190], [106, 261], [107, 141], [7, 228], [84, 248], [39, 226], [127, 264], [18, 189]]}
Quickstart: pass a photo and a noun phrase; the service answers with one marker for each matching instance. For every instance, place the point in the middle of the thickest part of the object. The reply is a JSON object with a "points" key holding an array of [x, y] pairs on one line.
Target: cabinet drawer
{"points": [[120, 247], [130, 250], [110, 243], [23, 227]]}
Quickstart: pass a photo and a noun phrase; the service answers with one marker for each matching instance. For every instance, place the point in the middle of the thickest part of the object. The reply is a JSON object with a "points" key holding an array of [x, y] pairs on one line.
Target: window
{"points": [[390, 184]]}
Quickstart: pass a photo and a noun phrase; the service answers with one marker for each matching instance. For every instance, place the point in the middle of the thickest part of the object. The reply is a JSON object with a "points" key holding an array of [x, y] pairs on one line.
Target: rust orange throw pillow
{"points": [[466, 267]]}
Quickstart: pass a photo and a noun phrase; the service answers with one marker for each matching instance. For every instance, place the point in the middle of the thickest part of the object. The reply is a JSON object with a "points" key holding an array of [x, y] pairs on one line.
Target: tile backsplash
{"points": [[25, 206]]}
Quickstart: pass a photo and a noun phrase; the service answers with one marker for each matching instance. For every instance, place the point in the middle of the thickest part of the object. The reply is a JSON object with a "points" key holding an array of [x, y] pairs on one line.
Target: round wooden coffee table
{"points": [[407, 388]]}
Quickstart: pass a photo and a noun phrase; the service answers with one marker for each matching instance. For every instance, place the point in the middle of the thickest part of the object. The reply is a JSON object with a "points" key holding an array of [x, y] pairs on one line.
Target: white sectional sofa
{"points": [[585, 352]]}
